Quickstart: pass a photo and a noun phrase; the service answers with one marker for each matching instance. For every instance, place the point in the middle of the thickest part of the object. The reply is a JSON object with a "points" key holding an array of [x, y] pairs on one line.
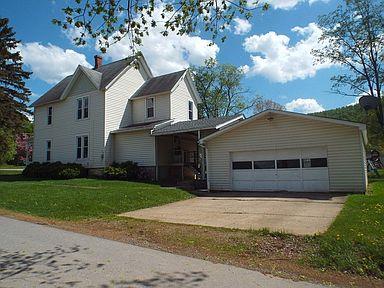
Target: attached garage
{"points": [[285, 151]]}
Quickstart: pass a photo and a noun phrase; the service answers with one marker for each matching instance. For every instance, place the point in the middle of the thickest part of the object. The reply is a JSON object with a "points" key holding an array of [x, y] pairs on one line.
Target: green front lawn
{"points": [[7, 166], [81, 198], [355, 241]]}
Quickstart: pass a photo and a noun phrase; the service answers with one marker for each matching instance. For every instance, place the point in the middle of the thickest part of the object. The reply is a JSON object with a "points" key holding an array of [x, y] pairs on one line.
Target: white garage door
{"points": [[304, 169]]}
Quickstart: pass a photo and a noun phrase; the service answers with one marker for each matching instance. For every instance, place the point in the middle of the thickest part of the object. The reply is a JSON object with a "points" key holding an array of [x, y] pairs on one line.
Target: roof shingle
{"points": [[106, 74], [160, 84]]}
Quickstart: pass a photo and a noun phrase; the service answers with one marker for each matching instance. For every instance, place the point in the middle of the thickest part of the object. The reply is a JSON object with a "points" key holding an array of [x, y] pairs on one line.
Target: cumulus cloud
{"points": [[242, 26], [75, 32], [274, 58], [308, 105], [167, 54], [51, 63]]}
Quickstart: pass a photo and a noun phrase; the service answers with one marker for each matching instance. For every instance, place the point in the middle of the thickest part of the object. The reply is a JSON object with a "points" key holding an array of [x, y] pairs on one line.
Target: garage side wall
{"points": [[344, 148]]}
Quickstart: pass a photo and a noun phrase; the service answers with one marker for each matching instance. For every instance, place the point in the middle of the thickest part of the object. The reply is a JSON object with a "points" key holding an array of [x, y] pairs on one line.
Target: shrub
{"points": [[122, 171], [55, 170]]}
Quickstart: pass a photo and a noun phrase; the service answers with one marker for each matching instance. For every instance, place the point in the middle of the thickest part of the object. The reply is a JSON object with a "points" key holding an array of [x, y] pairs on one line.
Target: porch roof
{"points": [[140, 126], [196, 125]]}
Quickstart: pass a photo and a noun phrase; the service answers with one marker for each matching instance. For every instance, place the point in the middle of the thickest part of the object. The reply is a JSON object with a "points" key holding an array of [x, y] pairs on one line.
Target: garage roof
{"points": [[362, 127]]}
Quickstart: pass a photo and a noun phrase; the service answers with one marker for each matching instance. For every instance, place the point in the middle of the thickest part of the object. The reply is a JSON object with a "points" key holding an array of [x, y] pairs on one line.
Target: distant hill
{"points": [[357, 114]]}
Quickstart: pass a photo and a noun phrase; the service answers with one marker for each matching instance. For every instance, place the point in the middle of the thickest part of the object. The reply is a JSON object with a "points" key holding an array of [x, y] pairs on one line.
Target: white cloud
{"points": [[305, 106], [275, 59], [167, 54], [244, 69], [51, 63], [74, 32], [242, 26], [285, 4]]}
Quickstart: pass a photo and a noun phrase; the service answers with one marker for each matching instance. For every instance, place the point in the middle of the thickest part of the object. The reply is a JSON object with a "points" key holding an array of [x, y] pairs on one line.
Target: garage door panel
{"points": [[315, 174], [288, 174], [265, 185], [316, 185], [287, 185], [243, 185], [264, 174]]}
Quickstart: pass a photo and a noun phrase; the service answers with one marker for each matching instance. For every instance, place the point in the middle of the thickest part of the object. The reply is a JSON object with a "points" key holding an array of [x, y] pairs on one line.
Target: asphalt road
{"points": [[33, 255]]}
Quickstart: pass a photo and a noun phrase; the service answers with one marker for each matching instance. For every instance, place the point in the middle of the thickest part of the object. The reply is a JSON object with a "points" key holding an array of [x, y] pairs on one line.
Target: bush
{"points": [[55, 170], [122, 171]]}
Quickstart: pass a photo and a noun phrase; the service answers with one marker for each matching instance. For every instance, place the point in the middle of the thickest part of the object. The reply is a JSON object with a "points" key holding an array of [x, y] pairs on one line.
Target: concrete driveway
{"points": [[298, 214]]}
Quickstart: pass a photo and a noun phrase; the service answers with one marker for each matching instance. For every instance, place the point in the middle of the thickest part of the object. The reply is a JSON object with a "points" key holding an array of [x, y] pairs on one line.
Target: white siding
{"points": [[82, 85], [343, 143], [136, 146], [117, 105], [162, 109], [179, 102], [65, 127]]}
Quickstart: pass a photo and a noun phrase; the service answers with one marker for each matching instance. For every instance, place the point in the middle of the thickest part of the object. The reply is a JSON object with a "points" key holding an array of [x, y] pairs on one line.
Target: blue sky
{"points": [[279, 40]]}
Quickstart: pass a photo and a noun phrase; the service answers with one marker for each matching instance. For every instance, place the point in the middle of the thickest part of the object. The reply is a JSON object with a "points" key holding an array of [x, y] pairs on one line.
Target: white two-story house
{"points": [[119, 112]]}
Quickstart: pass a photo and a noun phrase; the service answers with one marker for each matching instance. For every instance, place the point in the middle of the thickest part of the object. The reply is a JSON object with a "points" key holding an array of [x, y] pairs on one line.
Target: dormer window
{"points": [[50, 113], [190, 110], [150, 104], [82, 108]]}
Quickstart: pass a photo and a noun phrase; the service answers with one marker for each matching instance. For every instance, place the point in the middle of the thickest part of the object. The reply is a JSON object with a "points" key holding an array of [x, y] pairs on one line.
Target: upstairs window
{"points": [[82, 107], [150, 103], [48, 150], [190, 110], [82, 147], [50, 111]]}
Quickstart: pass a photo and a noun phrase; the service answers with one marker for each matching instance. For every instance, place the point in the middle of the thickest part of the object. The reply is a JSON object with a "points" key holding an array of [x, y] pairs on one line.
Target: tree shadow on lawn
{"points": [[19, 178]]}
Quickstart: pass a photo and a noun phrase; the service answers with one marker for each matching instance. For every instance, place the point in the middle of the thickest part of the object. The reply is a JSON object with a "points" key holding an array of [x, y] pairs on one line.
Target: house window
{"points": [[82, 107], [82, 148], [150, 103], [190, 110], [50, 110], [242, 165], [48, 150]]}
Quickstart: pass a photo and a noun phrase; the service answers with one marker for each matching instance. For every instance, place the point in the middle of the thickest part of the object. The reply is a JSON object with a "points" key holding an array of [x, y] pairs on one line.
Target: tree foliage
{"points": [[220, 88], [264, 104], [357, 114], [111, 20], [353, 36], [14, 95]]}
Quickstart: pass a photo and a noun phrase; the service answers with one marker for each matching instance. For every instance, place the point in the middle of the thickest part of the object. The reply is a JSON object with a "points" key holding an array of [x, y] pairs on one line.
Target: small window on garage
{"points": [[314, 162], [242, 165], [289, 163], [265, 164]]}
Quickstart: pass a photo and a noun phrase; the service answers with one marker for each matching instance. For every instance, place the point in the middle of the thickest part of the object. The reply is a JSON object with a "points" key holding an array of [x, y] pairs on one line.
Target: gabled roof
{"points": [[199, 124], [362, 127], [159, 84], [101, 76]]}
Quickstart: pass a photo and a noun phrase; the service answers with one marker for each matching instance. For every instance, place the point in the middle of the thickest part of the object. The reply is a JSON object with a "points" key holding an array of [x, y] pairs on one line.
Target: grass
{"points": [[81, 198], [355, 241], [7, 166]]}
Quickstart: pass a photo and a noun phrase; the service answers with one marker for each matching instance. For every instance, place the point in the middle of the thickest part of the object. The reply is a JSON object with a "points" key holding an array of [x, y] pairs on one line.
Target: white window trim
{"points": [[154, 108], [48, 115], [46, 150], [82, 107], [81, 136]]}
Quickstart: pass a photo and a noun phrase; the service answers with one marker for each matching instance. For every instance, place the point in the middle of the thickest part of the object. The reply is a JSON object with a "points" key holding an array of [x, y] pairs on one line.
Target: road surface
{"points": [[33, 255]]}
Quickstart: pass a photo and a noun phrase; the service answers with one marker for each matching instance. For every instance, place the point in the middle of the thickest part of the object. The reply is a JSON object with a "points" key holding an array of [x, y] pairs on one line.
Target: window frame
{"points": [[49, 115], [295, 159], [264, 161], [82, 148], [190, 110], [82, 109], [48, 150], [153, 107], [309, 160]]}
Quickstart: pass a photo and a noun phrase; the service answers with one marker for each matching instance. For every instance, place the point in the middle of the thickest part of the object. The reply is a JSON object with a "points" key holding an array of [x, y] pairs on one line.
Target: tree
{"points": [[220, 88], [111, 20], [264, 104], [353, 37], [14, 95]]}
